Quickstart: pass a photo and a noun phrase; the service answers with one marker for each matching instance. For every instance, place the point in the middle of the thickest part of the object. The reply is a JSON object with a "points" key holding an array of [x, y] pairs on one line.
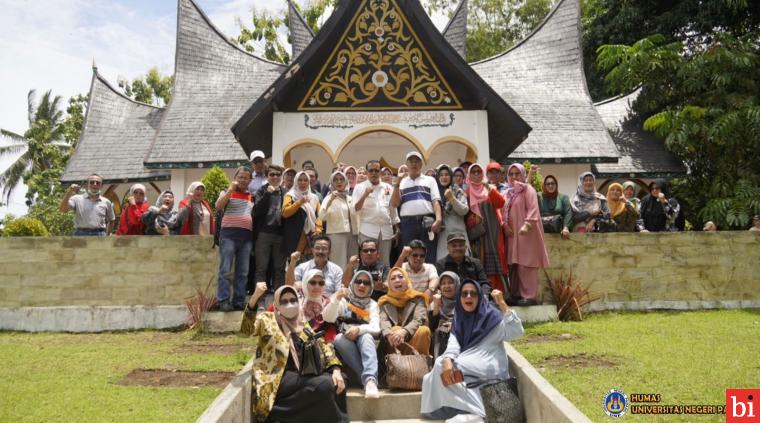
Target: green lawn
{"points": [[73, 377], [686, 357]]}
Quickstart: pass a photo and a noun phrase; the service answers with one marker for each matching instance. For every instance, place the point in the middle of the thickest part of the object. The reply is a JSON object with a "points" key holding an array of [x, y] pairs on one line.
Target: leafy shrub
{"points": [[215, 181], [46, 211], [24, 226]]}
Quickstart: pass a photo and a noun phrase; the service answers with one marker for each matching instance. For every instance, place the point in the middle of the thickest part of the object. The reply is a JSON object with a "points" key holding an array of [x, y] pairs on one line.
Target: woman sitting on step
{"points": [[403, 314], [441, 315], [359, 324], [475, 355], [289, 384]]}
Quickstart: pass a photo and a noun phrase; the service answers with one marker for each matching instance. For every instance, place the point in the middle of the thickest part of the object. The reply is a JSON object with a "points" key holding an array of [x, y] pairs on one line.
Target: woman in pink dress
{"points": [[526, 252]]}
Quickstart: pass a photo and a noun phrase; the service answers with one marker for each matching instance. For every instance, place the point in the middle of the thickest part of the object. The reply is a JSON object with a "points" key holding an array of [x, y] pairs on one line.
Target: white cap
{"points": [[413, 153], [257, 154]]}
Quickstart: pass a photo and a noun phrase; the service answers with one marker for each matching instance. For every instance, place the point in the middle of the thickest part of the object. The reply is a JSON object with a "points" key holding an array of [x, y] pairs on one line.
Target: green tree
{"points": [[692, 22], [43, 145], [151, 88], [215, 181], [704, 101]]}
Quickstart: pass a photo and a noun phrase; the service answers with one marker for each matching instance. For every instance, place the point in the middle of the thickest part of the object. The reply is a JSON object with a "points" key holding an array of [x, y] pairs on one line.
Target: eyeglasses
{"points": [[418, 255], [472, 294], [475, 172], [138, 192], [363, 282], [314, 283], [369, 250], [515, 174], [291, 301], [373, 170], [275, 174]]}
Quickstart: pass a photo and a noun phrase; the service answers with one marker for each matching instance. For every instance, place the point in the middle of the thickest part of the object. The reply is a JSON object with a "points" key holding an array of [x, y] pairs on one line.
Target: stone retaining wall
{"points": [[680, 268]]}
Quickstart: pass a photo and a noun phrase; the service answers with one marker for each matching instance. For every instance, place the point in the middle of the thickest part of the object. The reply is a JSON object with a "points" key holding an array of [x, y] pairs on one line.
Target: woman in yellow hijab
{"points": [[403, 313], [622, 211]]}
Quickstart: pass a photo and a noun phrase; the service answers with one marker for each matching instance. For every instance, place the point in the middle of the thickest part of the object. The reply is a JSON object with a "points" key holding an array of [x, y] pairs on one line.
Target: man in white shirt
{"points": [[419, 203], [377, 219]]}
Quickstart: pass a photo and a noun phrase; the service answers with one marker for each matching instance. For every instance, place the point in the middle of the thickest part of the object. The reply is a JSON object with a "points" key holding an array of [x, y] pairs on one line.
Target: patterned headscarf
{"points": [[289, 326]]}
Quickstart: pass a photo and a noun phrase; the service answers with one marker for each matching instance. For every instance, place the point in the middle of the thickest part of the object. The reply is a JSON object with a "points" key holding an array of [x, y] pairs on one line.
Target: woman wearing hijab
{"points": [[351, 175], [622, 211], [526, 252], [195, 212], [314, 303], [130, 222], [386, 175], [339, 214], [403, 314], [161, 219], [441, 315], [359, 325], [589, 207], [659, 211], [484, 223], [284, 390], [453, 207], [459, 177], [556, 213], [629, 190], [476, 349], [299, 210]]}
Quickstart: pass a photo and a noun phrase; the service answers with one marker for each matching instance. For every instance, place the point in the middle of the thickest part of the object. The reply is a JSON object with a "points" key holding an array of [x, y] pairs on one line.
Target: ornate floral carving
{"points": [[378, 64]]}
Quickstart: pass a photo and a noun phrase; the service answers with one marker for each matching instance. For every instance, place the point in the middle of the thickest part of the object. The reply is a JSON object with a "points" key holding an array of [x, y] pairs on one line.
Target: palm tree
{"points": [[43, 141]]}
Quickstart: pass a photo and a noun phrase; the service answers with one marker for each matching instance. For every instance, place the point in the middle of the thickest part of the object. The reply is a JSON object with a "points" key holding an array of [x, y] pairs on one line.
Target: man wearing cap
{"points": [[259, 166], [495, 176], [459, 262], [93, 213], [419, 203]]}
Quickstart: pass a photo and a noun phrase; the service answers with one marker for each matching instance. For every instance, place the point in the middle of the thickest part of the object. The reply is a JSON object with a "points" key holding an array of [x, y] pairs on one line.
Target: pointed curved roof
{"points": [[542, 77], [300, 33], [455, 32], [214, 83], [642, 154], [116, 135]]}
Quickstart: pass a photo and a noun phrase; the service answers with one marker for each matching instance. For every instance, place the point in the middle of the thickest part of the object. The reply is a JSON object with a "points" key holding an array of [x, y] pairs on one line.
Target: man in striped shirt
{"points": [[235, 240], [419, 203]]}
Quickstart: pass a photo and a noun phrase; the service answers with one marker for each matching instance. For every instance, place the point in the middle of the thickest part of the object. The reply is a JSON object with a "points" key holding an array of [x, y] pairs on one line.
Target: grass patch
{"points": [[687, 357], [74, 377]]}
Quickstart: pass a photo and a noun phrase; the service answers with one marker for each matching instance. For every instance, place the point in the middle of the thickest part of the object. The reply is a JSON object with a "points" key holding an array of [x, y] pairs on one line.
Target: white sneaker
{"points": [[370, 391], [465, 418]]}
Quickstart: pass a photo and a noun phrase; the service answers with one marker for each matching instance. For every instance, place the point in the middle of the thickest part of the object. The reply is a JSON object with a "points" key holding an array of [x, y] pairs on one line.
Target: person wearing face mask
{"points": [[285, 388], [475, 351], [357, 315], [441, 314], [93, 213], [338, 214], [161, 219], [130, 222], [403, 314], [195, 212], [300, 207]]}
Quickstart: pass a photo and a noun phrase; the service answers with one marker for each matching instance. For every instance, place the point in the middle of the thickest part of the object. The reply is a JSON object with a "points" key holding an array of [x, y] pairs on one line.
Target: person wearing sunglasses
{"points": [[423, 275], [285, 387], [358, 319], [93, 213], [474, 357], [267, 232], [130, 222], [403, 314], [314, 302], [556, 213], [369, 261]]}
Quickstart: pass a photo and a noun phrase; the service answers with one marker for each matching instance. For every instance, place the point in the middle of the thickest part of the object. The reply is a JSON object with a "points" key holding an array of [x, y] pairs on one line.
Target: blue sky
{"points": [[51, 44]]}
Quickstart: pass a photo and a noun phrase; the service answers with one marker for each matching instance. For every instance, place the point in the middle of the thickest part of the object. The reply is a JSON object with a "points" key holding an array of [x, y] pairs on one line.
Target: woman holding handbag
{"points": [[556, 212], [296, 375], [359, 324], [475, 355], [403, 313]]}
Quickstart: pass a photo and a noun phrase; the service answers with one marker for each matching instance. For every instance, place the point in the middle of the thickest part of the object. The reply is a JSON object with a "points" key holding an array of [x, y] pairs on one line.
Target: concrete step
{"points": [[394, 406], [537, 314]]}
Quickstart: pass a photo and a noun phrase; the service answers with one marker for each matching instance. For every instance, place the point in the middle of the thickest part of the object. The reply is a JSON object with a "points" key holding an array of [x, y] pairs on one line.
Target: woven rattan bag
{"points": [[405, 368]]}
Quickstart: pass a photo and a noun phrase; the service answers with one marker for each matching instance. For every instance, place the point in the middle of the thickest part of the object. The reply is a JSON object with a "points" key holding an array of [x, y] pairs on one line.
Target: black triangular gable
{"points": [[506, 129]]}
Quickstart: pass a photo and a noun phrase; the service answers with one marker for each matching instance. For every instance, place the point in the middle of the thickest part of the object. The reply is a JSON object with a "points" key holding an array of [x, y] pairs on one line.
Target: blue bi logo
{"points": [[615, 403]]}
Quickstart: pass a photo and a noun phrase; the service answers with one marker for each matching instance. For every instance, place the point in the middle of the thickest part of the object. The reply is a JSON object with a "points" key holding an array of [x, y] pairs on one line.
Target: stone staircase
{"points": [[392, 406]]}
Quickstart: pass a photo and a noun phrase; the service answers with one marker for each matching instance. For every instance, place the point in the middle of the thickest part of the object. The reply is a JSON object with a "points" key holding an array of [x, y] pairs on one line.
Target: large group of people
{"points": [[372, 259]]}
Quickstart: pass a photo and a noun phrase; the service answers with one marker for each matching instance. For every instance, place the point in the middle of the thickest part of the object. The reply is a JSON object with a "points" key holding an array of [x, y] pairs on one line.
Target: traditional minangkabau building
{"points": [[376, 81]]}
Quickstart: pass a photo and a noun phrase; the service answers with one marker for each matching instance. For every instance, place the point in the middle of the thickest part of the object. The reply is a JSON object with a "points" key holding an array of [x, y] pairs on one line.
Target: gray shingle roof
{"points": [[117, 134], [214, 83], [642, 153], [300, 33], [456, 30], [542, 78]]}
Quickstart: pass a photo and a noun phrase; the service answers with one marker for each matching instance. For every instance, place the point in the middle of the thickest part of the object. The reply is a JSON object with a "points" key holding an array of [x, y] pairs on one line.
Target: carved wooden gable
{"points": [[379, 64]]}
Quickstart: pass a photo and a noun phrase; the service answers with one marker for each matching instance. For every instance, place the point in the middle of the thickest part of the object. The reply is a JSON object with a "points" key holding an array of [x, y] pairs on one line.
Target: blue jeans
{"points": [[240, 252], [89, 232], [411, 228], [360, 355]]}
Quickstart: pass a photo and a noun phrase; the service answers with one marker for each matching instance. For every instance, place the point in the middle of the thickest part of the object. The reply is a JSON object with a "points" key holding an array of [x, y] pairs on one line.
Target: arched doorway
{"points": [[301, 151], [452, 152], [388, 147]]}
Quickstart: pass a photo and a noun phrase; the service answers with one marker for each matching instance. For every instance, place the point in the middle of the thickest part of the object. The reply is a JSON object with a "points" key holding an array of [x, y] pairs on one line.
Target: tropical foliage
{"points": [[215, 181], [24, 226], [704, 101], [151, 88]]}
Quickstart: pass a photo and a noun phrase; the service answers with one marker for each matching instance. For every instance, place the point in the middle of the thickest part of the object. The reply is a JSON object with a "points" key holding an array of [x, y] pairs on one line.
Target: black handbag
{"points": [[552, 224], [312, 359]]}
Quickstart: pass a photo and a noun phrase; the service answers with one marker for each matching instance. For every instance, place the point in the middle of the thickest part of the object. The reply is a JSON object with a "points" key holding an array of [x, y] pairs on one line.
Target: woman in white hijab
{"points": [[299, 210], [339, 214]]}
